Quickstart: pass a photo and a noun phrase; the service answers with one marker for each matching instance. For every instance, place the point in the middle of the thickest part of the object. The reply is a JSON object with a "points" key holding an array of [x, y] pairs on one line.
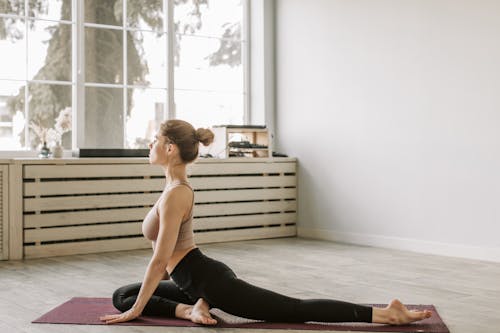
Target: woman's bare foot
{"points": [[397, 314], [200, 313], [183, 311]]}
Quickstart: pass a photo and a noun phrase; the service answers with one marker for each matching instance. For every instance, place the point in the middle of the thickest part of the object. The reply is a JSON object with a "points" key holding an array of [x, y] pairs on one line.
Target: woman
{"points": [[199, 282]]}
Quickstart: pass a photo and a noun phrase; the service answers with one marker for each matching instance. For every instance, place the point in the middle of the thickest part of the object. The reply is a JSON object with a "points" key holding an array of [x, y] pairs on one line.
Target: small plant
{"points": [[54, 135]]}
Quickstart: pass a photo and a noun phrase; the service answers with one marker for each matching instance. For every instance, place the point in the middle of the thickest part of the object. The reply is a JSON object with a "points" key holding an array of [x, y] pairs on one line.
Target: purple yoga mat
{"points": [[86, 311]]}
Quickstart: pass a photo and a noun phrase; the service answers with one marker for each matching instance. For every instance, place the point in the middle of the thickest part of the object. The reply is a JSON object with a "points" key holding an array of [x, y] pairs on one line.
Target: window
{"points": [[125, 72], [123, 91], [36, 78], [209, 71]]}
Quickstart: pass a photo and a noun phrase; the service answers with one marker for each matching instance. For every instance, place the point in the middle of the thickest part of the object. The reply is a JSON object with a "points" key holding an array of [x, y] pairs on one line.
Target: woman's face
{"points": [[158, 150]]}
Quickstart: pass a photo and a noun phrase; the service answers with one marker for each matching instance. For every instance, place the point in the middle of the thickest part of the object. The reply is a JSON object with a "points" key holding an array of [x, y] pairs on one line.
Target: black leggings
{"points": [[198, 276]]}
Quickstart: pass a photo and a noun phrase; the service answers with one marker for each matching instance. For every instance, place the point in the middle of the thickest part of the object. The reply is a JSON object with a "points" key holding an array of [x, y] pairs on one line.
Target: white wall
{"points": [[393, 110]]}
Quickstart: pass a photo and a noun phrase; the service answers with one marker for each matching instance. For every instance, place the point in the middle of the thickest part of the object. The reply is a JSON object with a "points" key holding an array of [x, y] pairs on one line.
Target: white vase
{"points": [[57, 151]]}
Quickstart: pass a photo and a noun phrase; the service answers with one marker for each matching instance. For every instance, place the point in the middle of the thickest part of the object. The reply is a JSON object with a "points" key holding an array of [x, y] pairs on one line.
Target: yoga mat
{"points": [[86, 311]]}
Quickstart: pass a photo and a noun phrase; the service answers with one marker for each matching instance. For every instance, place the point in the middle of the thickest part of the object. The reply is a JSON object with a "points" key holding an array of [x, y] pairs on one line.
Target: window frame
{"points": [[78, 70], [27, 81]]}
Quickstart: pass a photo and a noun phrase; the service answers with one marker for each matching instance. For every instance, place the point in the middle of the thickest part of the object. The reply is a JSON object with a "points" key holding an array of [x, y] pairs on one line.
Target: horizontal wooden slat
{"points": [[244, 208], [93, 186], [242, 182], [208, 223], [244, 234], [80, 232], [245, 195], [122, 200], [89, 201], [84, 217], [105, 245], [91, 170], [131, 214], [136, 185], [241, 168], [38, 251]]}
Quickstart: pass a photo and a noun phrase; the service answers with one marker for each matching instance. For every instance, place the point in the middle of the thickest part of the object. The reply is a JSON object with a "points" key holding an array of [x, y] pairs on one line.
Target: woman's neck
{"points": [[175, 173]]}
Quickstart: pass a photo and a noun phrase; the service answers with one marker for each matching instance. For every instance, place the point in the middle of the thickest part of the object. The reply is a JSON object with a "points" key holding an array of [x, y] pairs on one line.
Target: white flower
{"points": [[40, 131], [63, 121], [53, 136], [61, 126]]}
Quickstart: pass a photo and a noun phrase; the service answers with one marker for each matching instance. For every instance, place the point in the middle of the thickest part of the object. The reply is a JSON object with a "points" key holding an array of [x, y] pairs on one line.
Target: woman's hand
{"points": [[121, 317]]}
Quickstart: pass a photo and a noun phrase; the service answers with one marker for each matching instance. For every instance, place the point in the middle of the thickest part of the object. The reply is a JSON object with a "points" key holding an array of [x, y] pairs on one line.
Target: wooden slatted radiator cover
{"points": [[84, 207]]}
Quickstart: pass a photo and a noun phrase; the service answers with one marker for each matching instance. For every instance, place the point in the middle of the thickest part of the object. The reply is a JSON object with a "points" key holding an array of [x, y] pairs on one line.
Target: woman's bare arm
{"points": [[171, 210], [166, 276]]}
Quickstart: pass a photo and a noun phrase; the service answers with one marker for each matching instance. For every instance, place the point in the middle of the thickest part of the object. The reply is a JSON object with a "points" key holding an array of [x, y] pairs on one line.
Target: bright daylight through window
{"points": [[123, 48]]}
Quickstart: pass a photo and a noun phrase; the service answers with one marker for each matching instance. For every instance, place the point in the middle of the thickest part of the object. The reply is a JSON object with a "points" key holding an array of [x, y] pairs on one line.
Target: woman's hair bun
{"points": [[205, 136]]}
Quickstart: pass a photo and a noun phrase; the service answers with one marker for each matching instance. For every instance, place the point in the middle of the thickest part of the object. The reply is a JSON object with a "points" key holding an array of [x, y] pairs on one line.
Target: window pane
{"points": [[103, 118], [212, 18], [145, 15], [12, 120], [145, 116], [108, 12], [201, 67], [13, 49], [46, 101], [103, 55], [147, 59], [51, 10], [56, 38], [12, 7], [204, 109]]}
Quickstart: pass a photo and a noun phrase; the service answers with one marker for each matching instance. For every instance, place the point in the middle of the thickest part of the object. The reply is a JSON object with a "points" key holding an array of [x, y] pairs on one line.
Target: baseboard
{"points": [[407, 244]]}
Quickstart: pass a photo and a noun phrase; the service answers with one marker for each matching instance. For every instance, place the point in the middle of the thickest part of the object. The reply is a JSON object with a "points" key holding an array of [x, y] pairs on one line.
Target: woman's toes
{"points": [[208, 320], [202, 318]]}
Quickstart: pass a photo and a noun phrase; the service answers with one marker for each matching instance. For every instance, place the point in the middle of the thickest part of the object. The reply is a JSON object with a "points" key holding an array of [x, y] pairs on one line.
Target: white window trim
{"points": [[261, 66], [79, 72], [170, 110]]}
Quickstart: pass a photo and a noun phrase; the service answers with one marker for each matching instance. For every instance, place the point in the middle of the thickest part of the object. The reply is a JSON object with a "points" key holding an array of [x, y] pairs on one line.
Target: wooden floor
{"points": [[465, 292]]}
